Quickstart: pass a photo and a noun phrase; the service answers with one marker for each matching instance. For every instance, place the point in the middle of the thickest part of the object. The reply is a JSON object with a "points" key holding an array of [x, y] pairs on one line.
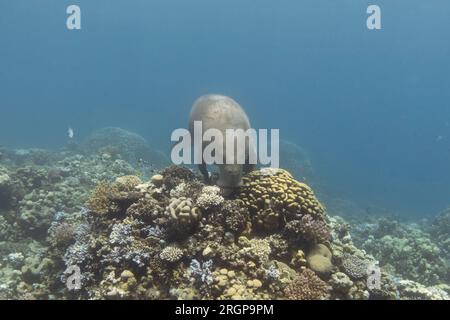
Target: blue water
{"points": [[369, 106]]}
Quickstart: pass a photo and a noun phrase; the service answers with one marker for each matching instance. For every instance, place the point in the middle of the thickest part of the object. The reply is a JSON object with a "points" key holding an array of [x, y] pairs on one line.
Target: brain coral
{"points": [[182, 215], [319, 259], [274, 196]]}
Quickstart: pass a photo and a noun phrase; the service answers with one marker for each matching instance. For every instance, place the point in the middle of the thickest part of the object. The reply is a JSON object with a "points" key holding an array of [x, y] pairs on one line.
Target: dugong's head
{"points": [[230, 175]]}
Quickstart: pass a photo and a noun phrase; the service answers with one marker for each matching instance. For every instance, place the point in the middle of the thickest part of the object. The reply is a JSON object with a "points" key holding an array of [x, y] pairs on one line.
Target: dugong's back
{"points": [[218, 112]]}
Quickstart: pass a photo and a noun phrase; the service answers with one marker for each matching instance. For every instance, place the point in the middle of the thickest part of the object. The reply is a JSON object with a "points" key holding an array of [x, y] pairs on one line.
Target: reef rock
{"points": [[133, 148]]}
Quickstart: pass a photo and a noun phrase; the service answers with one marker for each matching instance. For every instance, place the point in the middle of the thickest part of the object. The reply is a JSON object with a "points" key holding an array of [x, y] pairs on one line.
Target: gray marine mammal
{"points": [[222, 113]]}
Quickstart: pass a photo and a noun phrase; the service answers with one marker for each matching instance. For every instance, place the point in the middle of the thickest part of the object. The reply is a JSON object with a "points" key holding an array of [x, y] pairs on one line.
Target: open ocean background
{"points": [[371, 107]]}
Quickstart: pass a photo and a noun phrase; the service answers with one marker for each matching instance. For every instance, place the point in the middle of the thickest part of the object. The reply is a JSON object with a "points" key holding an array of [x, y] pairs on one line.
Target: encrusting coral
{"points": [[319, 259]]}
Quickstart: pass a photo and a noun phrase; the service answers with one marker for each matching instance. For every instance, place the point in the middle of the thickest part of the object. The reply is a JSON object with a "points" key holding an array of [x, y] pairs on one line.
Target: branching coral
{"points": [[174, 175], [171, 254], [255, 249], [236, 216], [113, 197], [209, 198], [100, 200], [308, 229]]}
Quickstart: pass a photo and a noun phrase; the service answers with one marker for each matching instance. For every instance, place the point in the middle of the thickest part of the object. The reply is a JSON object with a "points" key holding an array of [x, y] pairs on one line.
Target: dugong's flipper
{"points": [[205, 173]]}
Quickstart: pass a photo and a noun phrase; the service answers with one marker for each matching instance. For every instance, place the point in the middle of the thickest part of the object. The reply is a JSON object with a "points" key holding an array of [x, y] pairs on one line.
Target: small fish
{"points": [[70, 133]]}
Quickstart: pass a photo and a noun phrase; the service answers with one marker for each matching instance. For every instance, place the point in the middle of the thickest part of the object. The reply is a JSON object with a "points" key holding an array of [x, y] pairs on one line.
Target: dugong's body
{"points": [[221, 113]]}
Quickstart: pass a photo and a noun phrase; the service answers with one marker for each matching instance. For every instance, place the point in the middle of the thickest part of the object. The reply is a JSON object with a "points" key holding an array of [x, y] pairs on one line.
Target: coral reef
{"points": [[167, 235], [404, 248], [439, 229], [111, 142]]}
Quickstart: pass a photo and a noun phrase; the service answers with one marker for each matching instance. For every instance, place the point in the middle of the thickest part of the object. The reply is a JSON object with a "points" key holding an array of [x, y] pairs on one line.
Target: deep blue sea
{"points": [[372, 107]]}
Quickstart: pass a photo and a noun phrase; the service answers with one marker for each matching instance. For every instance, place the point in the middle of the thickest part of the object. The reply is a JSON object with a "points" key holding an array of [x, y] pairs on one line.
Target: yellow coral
{"points": [[109, 197], [272, 194], [182, 209], [100, 200], [127, 183]]}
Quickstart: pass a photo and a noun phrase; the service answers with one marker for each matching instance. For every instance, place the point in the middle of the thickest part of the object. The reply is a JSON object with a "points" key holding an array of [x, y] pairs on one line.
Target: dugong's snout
{"points": [[230, 175]]}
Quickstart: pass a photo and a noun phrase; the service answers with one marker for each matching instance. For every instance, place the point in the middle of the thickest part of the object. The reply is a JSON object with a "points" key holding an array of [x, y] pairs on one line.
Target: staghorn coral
{"points": [[307, 286]]}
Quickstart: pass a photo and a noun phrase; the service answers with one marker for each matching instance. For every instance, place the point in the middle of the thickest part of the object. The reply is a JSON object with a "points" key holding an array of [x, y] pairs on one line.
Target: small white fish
{"points": [[70, 133]]}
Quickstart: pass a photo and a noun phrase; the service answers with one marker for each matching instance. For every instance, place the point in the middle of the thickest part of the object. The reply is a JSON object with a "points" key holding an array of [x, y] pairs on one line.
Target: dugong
{"points": [[221, 113]]}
